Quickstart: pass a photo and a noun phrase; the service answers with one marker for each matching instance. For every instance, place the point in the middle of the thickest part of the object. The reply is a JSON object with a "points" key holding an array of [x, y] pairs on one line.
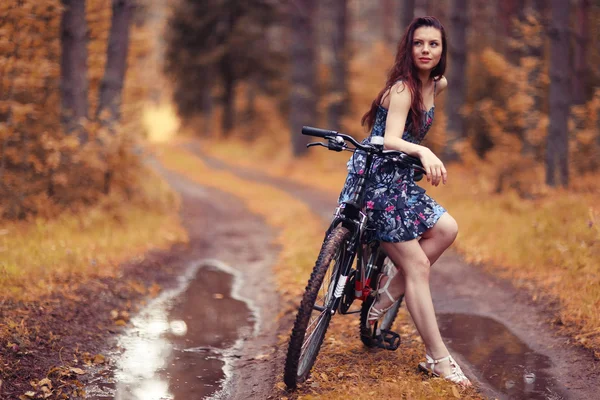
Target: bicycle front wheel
{"points": [[315, 308]]}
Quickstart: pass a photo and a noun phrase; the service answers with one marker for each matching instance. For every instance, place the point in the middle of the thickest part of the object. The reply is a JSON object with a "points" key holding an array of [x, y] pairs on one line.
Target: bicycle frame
{"points": [[351, 216], [369, 256]]}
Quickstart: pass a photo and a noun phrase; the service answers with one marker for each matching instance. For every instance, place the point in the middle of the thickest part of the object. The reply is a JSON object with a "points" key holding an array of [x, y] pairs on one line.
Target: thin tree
{"points": [[338, 86], [457, 87], [111, 86], [388, 11], [534, 51], [581, 42], [509, 12], [557, 145], [303, 71], [423, 8], [407, 14], [73, 65], [221, 43]]}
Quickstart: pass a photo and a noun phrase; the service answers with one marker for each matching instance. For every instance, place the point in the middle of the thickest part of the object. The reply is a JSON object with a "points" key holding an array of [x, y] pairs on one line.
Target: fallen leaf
{"points": [[455, 392], [120, 322], [77, 371], [324, 377], [154, 290], [114, 314], [29, 394], [261, 356], [218, 296], [99, 359], [45, 382]]}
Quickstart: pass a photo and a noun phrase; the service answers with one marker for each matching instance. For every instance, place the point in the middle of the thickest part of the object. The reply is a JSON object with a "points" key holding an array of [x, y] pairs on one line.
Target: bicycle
{"points": [[335, 277]]}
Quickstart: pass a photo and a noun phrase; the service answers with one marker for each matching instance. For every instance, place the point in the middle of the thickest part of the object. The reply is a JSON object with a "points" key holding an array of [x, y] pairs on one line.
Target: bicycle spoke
{"points": [[312, 321], [307, 340]]}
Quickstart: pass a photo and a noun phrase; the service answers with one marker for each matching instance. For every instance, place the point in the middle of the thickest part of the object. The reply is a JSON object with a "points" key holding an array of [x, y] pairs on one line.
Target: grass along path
{"points": [[63, 287], [549, 245], [339, 373], [40, 257]]}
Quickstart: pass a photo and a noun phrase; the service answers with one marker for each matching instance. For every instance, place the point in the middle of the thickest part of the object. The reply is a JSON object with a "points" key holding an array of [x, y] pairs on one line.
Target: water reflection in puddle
{"points": [[500, 358], [182, 343]]}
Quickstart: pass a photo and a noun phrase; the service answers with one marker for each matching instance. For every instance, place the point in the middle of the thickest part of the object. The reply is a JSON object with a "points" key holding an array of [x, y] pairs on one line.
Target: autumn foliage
{"points": [[44, 170]]}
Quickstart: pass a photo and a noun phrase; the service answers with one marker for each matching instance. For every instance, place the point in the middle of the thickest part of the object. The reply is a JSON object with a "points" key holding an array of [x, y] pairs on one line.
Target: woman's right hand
{"points": [[434, 167]]}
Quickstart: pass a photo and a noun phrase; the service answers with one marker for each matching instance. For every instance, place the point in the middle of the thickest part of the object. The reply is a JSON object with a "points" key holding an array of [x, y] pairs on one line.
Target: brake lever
{"points": [[333, 145]]}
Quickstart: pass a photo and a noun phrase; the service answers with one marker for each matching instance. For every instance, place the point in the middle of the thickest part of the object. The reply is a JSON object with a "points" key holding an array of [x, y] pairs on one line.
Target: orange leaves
{"points": [[44, 170], [495, 63]]}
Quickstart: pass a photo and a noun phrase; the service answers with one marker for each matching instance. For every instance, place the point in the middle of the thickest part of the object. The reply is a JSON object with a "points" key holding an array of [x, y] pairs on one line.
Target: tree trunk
{"points": [[227, 73], [422, 8], [206, 102], [73, 64], [407, 14], [534, 49], [508, 12], [338, 86], [581, 41], [111, 87], [303, 72], [457, 83], [388, 17], [557, 146]]}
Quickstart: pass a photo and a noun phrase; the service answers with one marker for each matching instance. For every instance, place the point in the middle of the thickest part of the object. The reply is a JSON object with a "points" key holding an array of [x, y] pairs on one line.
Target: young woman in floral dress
{"points": [[413, 229]]}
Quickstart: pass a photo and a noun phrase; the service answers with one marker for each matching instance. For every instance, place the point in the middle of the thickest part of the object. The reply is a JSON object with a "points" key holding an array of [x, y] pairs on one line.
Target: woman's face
{"points": [[427, 47]]}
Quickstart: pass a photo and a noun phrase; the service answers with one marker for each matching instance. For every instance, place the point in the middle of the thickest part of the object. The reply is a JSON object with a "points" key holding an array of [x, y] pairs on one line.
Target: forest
{"points": [[95, 94]]}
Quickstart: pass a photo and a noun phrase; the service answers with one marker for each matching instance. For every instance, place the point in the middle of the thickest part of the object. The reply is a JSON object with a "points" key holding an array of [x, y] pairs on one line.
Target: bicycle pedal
{"points": [[386, 339]]}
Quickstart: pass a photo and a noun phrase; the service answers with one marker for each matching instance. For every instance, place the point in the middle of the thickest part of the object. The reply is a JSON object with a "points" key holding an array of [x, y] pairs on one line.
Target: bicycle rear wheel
{"points": [[369, 332], [315, 308]]}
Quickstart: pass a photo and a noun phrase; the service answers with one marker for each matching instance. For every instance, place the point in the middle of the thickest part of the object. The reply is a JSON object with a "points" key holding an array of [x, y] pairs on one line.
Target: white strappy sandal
{"points": [[375, 313], [456, 376]]}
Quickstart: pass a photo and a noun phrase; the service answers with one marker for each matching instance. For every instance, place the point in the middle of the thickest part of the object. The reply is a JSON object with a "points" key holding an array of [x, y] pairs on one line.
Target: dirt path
{"points": [[498, 333], [243, 241], [209, 333]]}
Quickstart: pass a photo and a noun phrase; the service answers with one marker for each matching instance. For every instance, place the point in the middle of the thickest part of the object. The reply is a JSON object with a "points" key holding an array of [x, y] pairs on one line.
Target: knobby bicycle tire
{"points": [[334, 242]]}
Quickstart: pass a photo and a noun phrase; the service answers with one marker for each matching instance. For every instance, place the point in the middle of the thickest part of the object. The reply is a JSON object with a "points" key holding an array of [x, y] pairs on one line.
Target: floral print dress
{"points": [[398, 209]]}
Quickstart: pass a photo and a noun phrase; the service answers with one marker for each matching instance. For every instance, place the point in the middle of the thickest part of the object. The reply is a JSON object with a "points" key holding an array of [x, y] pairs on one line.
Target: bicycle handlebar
{"points": [[413, 162]]}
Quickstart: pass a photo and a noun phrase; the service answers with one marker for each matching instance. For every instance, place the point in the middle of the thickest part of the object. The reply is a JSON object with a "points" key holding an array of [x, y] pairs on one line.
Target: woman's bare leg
{"points": [[437, 239], [414, 264], [413, 260], [433, 243]]}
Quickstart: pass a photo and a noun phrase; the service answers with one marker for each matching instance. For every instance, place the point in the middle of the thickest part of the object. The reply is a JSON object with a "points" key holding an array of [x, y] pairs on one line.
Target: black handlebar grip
{"points": [[322, 133]]}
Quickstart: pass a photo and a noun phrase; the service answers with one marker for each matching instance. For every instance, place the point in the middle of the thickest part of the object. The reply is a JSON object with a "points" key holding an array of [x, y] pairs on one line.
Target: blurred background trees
{"points": [[522, 106], [522, 96], [66, 138]]}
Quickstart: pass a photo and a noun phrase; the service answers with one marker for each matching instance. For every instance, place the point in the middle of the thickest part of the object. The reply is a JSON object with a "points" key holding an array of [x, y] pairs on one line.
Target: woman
{"points": [[413, 229]]}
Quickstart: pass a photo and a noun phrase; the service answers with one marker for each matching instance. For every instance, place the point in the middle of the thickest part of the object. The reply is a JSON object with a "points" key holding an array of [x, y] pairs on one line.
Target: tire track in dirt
{"points": [[502, 319]]}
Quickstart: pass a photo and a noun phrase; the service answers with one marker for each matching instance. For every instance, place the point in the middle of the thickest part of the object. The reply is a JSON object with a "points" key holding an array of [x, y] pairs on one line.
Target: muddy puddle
{"points": [[501, 359], [182, 344]]}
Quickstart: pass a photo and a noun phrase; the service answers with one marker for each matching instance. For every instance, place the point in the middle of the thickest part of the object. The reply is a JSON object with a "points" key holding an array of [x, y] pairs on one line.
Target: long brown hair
{"points": [[404, 69]]}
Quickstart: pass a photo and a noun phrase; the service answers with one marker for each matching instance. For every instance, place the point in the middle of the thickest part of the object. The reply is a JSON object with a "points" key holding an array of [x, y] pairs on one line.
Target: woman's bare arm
{"points": [[400, 100]]}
